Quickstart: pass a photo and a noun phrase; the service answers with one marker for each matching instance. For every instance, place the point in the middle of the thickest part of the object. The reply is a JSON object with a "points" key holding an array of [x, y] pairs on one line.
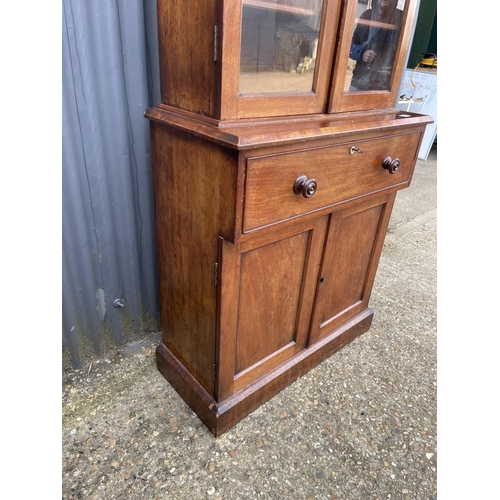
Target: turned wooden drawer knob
{"points": [[306, 187], [391, 165]]}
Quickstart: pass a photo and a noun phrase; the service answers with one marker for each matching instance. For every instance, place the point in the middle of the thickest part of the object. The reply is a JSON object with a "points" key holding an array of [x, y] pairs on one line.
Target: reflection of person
{"points": [[374, 45]]}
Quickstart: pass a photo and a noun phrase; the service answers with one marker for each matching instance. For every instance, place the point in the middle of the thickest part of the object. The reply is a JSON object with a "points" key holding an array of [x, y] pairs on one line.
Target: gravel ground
{"points": [[361, 425]]}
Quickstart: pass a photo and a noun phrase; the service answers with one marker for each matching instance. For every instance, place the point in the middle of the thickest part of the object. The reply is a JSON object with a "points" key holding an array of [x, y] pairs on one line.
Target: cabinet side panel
{"points": [[186, 53], [195, 203]]}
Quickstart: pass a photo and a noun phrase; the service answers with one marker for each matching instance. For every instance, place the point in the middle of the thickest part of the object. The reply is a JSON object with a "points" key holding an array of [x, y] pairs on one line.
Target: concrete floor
{"points": [[362, 425]]}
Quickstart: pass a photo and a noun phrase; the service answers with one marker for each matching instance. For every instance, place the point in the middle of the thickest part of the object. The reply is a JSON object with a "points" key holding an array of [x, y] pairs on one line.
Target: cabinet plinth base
{"points": [[221, 416]]}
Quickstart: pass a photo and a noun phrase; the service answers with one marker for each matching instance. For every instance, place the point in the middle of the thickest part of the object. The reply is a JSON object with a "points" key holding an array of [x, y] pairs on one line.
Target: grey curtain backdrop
{"points": [[110, 76]]}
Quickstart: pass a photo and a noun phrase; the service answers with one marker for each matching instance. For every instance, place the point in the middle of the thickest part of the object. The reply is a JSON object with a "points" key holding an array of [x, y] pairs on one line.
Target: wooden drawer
{"points": [[339, 174]]}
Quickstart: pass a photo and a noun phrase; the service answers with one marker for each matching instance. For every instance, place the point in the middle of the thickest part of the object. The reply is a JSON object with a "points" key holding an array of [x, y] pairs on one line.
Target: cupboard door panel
{"points": [[265, 318], [282, 264], [353, 248]]}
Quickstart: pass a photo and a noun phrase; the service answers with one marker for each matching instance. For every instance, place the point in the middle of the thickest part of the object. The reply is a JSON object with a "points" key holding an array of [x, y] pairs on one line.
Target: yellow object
{"points": [[429, 61], [425, 61]]}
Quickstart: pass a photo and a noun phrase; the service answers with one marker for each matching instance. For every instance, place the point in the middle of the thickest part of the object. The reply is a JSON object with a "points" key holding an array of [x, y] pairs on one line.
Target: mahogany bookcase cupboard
{"points": [[277, 154]]}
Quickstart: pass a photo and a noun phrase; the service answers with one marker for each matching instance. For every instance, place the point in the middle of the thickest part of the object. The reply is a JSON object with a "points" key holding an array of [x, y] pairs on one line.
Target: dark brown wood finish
{"points": [[268, 318], [271, 209], [258, 300], [250, 134], [221, 416], [340, 172], [188, 75], [195, 191], [355, 239]]}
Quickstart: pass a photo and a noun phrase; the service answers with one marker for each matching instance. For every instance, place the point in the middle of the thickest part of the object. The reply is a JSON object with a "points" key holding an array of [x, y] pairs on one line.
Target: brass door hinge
{"points": [[216, 273], [216, 42]]}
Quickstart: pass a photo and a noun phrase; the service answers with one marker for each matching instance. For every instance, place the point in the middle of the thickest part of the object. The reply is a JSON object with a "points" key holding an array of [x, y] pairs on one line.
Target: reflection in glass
{"points": [[279, 43], [374, 45]]}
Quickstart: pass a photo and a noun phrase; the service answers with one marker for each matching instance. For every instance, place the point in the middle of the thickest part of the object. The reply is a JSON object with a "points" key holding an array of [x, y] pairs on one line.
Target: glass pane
{"points": [[374, 44], [279, 43]]}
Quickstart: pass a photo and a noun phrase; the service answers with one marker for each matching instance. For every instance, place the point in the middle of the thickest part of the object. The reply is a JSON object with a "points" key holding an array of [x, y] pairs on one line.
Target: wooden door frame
{"points": [[235, 106], [340, 101]]}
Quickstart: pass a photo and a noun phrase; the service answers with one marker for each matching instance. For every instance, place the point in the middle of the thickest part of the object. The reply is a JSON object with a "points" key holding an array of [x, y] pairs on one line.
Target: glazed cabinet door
{"points": [[372, 54], [353, 246], [276, 56], [266, 288]]}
